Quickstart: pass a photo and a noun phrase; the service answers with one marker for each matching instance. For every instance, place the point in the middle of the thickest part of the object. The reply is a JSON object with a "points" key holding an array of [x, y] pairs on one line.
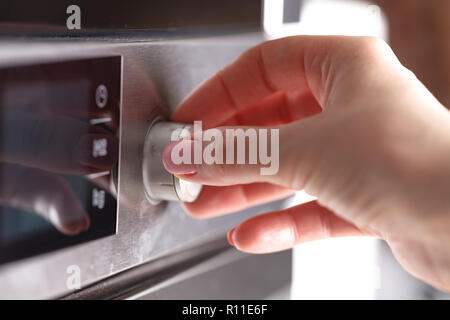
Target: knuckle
{"points": [[324, 224], [220, 170], [372, 48]]}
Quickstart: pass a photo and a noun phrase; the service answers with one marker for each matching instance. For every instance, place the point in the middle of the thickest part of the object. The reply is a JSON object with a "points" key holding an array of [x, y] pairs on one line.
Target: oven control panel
{"points": [[59, 151]]}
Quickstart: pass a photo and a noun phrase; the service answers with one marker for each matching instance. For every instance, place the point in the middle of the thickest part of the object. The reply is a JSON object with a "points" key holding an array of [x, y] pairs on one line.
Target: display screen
{"points": [[59, 150]]}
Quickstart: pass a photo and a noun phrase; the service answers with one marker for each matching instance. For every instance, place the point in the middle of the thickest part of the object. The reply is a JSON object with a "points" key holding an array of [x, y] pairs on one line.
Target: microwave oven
{"points": [[75, 109]]}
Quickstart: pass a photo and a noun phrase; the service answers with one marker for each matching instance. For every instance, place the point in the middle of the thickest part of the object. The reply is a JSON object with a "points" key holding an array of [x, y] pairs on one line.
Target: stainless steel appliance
{"points": [[74, 114]]}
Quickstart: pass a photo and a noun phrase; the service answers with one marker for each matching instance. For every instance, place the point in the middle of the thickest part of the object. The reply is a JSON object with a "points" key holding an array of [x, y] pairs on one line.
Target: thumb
{"points": [[240, 155]]}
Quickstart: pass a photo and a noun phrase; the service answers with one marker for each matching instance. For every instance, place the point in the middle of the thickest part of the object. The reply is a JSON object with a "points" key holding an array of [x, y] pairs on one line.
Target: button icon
{"points": [[101, 96], [98, 198], [99, 147]]}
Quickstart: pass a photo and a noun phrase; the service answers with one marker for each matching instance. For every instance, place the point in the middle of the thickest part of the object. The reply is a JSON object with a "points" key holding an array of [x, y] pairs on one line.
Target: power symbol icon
{"points": [[101, 96]]}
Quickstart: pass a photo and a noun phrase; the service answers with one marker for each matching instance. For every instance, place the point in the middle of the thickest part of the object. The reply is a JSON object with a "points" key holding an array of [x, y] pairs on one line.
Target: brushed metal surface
{"points": [[156, 77], [229, 275]]}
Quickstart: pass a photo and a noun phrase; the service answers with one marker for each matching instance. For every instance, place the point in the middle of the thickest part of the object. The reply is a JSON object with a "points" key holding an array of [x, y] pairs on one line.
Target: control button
{"points": [[186, 190], [99, 147], [98, 198], [158, 183], [101, 96]]}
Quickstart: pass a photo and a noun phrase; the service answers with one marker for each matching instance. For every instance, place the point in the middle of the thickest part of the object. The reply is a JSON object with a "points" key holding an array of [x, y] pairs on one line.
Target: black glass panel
{"points": [[59, 145]]}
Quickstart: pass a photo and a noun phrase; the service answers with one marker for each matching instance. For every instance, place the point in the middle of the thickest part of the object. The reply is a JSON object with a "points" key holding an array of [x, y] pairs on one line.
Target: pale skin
{"points": [[357, 130]]}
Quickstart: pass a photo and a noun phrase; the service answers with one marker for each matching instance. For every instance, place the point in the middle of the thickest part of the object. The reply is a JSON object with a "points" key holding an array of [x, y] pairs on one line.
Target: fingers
{"points": [[56, 143], [280, 108], [280, 230], [301, 64], [244, 155], [216, 201], [45, 194]]}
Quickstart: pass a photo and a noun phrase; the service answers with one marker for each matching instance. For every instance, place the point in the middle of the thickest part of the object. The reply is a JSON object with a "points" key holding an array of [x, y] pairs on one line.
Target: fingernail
{"points": [[74, 227], [230, 237], [76, 223], [86, 224], [97, 150], [175, 152]]}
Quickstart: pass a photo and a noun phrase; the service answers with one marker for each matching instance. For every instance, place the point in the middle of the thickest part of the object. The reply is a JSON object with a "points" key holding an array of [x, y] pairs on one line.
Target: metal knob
{"points": [[158, 183]]}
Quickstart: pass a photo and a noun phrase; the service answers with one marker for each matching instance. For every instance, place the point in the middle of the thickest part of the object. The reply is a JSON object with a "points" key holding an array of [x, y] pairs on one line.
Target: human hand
{"points": [[35, 150], [357, 130]]}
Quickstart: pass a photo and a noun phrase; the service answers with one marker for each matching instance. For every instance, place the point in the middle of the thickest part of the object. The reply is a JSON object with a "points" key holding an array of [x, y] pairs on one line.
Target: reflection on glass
{"points": [[58, 151]]}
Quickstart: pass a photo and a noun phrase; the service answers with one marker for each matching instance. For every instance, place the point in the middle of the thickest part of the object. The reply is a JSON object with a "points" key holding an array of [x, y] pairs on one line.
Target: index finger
{"points": [[298, 63]]}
